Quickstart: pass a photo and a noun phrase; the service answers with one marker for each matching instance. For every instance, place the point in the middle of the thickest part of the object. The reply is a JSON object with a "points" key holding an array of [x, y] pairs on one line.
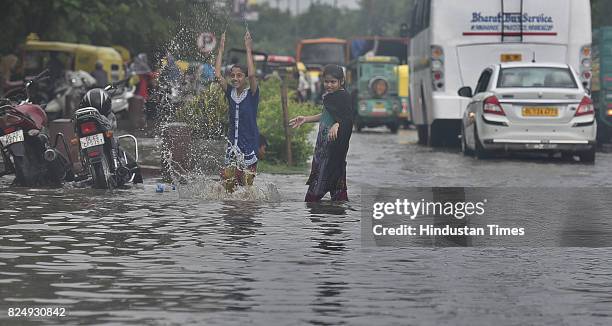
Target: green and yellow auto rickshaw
{"points": [[373, 83]]}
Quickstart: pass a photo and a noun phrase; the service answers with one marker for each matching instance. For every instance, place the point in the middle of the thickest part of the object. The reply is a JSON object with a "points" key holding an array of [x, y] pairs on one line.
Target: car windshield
{"points": [[536, 77]]}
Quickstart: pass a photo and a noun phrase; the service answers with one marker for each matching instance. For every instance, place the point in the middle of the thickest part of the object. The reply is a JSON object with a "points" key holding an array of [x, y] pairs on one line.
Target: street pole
{"points": [[284, 95]]}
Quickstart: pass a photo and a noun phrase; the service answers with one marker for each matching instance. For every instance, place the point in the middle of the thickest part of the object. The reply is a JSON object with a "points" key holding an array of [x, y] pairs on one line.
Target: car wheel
{"points": [[393, 127], [588, 156], [358, 126], [480, 152], [464, 148]]}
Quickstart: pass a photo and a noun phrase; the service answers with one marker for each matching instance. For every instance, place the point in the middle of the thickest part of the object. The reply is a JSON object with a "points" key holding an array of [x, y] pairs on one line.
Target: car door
{"points": [[472, 110]]}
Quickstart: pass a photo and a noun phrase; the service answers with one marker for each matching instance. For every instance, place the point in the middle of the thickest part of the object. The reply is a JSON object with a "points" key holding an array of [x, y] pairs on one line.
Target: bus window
{"points": [[417, 18], [426, 13], [323, 53]]}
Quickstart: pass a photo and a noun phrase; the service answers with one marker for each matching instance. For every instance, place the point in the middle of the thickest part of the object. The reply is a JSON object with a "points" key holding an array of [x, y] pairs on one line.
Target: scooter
{"points": [[26, 146], [68, 94], [120, 99], [107, 164]]}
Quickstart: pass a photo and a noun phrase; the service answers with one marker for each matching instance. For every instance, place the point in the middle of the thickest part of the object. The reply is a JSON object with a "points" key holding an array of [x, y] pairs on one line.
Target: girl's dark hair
{"points": [[334, 71], [241, 67]]}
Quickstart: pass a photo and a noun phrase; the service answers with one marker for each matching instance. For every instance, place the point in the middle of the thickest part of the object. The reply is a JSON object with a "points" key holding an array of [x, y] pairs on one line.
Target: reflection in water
{"points": [[328, 216], [450, 195]]}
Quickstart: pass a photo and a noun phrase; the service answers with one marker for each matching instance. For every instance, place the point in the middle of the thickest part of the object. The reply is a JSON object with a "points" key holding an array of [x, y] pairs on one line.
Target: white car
{"points": [[529, 107]]}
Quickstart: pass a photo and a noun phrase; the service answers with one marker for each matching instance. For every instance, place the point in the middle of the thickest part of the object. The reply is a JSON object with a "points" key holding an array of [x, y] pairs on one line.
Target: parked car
{"points": [[529, 107]]}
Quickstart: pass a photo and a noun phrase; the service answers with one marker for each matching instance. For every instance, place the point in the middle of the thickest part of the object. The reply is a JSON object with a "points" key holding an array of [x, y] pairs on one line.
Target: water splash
{"points": [[192, 115]]}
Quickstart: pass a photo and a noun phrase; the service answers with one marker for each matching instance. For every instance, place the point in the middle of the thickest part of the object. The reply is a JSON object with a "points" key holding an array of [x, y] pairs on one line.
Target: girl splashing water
{"points": [[241, 154], [328, 172]]}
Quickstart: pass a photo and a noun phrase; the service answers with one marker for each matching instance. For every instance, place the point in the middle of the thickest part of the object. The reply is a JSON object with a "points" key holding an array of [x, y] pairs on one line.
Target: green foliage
{"points": [[601, 11], [141, 26], [271, 124], [206, 113]]}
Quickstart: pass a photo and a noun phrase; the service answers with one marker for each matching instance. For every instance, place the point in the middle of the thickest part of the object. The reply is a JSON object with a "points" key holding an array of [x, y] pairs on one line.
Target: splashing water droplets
{"points": [[192, 116]]}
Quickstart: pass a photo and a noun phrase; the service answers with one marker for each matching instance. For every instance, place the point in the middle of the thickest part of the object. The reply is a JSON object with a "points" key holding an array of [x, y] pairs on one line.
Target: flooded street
{"points": [[140, 257]]}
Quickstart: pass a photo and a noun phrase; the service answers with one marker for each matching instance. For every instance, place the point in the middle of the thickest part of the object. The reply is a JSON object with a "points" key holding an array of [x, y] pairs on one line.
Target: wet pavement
{"points": [[139, 257]]}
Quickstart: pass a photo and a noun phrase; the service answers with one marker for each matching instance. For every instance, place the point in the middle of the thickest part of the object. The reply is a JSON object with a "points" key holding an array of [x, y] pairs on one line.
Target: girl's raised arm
{"points": [[218, 73], [248, 44]]}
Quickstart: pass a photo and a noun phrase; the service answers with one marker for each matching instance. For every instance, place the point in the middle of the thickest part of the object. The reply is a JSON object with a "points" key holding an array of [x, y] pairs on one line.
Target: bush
{"points": [[271, 124], [206, 113]]}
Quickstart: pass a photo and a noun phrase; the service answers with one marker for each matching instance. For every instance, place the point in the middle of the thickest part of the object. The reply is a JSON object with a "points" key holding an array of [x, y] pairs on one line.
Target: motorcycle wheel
{"points": [[101, 175], [29, 171]]}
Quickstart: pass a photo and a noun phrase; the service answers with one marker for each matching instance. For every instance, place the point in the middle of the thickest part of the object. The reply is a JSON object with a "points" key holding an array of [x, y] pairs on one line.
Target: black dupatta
{"points": [[338, 104]]}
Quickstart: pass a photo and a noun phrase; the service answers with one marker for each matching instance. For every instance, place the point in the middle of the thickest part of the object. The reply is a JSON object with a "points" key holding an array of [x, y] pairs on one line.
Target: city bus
{"points": [[314, 54], [453, 41]]}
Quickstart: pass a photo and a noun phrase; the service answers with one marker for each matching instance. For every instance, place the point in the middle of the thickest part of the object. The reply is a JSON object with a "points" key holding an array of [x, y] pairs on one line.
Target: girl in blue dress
{"points": [[243, 137]]}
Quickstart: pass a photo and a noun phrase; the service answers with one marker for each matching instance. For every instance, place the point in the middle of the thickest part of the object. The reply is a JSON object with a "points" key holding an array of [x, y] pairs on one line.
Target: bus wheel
{"points": [[358, 126], [422, 133], [436, 135]]}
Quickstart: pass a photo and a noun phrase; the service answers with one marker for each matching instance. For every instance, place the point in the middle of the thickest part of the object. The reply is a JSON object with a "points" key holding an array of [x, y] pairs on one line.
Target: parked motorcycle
{"points": [[26, 147], [107, 164]]}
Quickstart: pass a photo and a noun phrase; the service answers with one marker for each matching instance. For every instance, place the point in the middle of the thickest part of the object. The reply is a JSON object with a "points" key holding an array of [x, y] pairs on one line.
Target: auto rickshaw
{"points": [[373, 84], [36, 55]]}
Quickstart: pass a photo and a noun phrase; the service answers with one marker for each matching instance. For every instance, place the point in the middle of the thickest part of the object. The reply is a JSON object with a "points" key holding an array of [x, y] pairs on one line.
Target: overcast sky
{"points": [[303, 4]]}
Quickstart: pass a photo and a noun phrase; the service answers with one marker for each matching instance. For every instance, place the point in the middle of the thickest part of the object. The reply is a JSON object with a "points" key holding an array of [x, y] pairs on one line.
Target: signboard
{"points": [[206, 42], [513, 24]]}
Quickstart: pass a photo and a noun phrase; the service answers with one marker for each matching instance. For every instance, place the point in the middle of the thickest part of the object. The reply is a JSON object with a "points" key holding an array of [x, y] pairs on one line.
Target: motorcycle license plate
{"points": [[13, 137], [91, 141]]}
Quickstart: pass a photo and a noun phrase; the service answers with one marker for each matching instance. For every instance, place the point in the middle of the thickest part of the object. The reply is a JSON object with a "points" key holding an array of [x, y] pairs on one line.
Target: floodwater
{"points": [[174, 258]]}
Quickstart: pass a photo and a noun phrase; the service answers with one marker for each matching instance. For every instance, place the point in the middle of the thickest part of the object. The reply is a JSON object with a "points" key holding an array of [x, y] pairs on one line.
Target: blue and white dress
{"points": [[243, 131]]}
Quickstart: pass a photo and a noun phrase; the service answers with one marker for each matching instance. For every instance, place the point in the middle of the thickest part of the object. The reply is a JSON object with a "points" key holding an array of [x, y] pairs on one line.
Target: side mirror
{"points": [[465, 91]]}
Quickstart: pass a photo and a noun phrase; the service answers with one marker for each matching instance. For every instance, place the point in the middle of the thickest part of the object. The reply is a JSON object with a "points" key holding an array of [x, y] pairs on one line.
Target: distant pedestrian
{"points": [[241, 156], [7, 65], [328, 173], [140, 67], [100, 75]]}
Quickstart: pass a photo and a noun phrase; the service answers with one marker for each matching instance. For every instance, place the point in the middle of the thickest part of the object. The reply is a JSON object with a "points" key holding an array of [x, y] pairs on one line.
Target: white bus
{"points": [[454, 40]]}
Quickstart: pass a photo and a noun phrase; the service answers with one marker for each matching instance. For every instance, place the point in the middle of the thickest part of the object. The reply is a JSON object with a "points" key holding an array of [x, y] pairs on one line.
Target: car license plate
{"points": [[511, 57], [91, 141], [540, 112], [13, 137], [379, 107]]}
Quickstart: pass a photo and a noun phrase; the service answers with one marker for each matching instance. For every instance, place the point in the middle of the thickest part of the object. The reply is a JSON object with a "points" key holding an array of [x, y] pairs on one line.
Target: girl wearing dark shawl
{"points": [[328, 172]]}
